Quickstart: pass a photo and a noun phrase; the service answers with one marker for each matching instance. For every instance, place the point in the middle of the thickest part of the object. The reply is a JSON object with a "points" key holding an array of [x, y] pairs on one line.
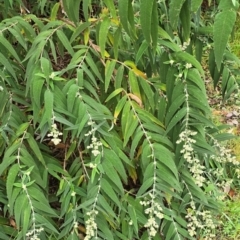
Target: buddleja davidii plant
{"points": [[144, 128], [221, 60], [27, 202], [188, 104], [43, 87], [24, 206], [192, 140]]}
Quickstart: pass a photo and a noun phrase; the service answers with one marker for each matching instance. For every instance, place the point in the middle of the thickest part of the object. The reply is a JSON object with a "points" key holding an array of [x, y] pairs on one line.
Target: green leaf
{"points": [[112, 174], [37, 85], [48, 100], [123, 6], [66, 43], [154, 25], [9, 47], [21, 203], [26, 217], [9, 158], [72, 96], [136, 139], [119, 77], [176, 104], [148, 91], [107, 188], [147, 116], [45, 67], [12, 174], [175, 7], [54, 11], [46, 208], [114, 93], [141, 51], [176, 118], [22, 128], [200, 118], [194, 76], [134, 84], [34, 146], [109, 69], [228, 5], [224, 136], [148, 172], [195, 5], [185, 17], [131, 125], [7, 65], [231, 87], [133, 216], [37, 194], [105, 206], [164, 34], [171, 231], [166, 158], [125, 113], [45, 222], [80, 28], [146, 8], [145, 186], [103, 33], [93, 66], [103, 226], [16, 191], [222, 28], [112, 158]]}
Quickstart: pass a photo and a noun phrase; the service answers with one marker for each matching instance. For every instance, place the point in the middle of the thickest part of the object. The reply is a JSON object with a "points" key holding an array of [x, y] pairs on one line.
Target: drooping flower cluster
{"points": [[95, 143], [154, 211], [185, 45], [91, 226], [200, 220], [188, 65], [95, 146], [55, 133], [237, 171], [224, 155], [34, 234], [194, 164]]}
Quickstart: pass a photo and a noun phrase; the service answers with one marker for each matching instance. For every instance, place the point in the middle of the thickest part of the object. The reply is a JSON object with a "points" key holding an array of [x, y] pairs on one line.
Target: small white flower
{"points": [[56, 141], [180, 75], [90, 123], [188, 65], [1, 88], [92, 165], [52, 75], [75, 225], [95, 152], [73, 194], [171, 62]]}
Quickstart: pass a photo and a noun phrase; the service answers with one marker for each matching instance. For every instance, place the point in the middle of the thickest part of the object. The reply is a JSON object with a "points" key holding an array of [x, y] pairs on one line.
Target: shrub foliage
{"points": [[106, 130]]}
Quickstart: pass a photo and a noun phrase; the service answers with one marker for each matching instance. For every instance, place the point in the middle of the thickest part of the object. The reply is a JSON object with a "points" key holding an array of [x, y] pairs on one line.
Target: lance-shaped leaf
{"points": [[175, 7], [223, 25], [123, 6], [146, 18], [103, 32], [195, 4]]}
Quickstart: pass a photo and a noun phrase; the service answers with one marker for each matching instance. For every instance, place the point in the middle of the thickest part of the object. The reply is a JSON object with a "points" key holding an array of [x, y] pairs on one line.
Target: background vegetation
{"points": [[106, 128]]}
